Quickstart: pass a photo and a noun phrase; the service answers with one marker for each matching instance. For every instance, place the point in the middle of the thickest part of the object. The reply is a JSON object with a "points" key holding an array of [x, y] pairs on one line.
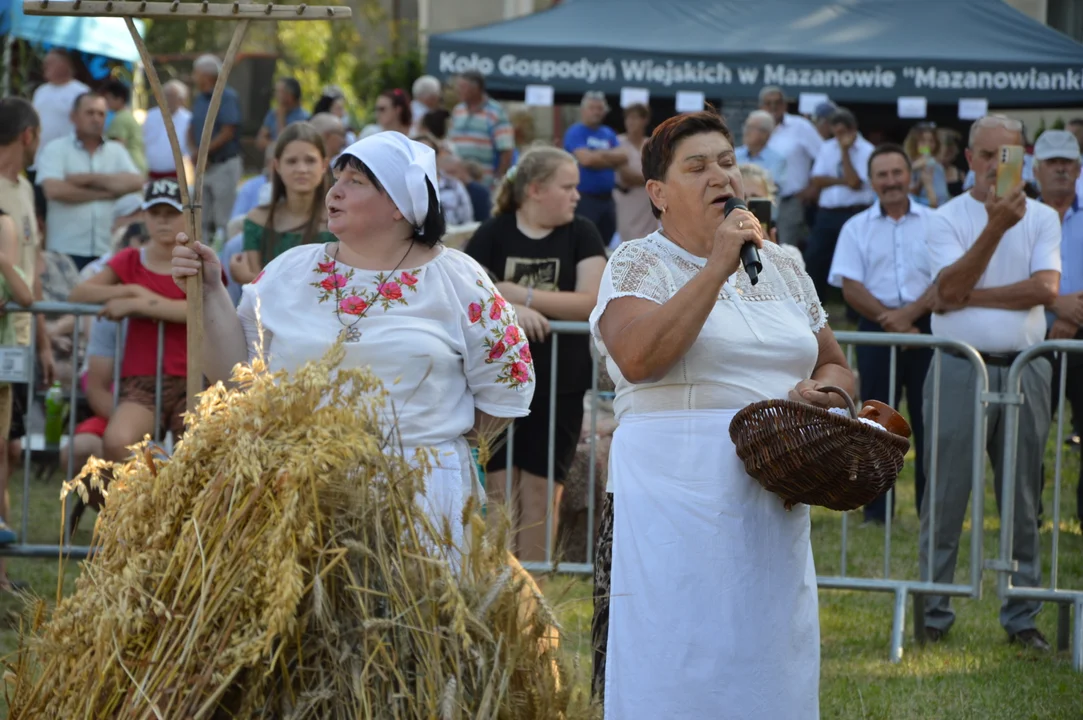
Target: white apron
{"points": [[713, 609]]}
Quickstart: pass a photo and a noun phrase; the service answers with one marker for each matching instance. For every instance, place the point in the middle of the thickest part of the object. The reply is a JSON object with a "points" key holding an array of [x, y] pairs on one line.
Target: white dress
{"points": [[439, 336], [713, 608]]}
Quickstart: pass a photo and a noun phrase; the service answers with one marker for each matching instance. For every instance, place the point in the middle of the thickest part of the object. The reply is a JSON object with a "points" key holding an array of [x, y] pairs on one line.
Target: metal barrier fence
{"points": [[1005, 565], [18, 365], [902, 588]]}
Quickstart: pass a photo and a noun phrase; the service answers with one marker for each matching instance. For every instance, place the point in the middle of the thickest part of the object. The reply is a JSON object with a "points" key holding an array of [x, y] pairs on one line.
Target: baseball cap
{"points": [[824, 110], [163, 192], [126, 205], [1056, 144]]}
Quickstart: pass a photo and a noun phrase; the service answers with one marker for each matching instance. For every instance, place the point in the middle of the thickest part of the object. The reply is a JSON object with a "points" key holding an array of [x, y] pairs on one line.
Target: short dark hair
{"points": [[16, 115], [435, 122], [845, 118], [889, 149], [658, 152], [434, 227], [62, 53], [292, 87], [1075, 121], [118, 90], [79, 99], [475, 77], [638, 109]]}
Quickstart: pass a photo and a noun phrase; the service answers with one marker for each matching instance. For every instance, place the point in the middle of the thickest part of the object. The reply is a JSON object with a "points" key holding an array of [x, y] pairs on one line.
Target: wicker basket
{"points": [[809, 455]]}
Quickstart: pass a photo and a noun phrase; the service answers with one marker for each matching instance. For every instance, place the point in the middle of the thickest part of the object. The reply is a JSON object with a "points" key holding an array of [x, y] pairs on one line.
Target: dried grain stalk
{"points": [[279, 566]]}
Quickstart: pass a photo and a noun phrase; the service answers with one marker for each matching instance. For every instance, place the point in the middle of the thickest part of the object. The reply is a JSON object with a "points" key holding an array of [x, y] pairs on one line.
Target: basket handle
{"points": [[845, 396]]}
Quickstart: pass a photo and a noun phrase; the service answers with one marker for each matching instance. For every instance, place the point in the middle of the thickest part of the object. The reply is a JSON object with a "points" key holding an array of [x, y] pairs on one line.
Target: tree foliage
{"points": [[364, 57]]}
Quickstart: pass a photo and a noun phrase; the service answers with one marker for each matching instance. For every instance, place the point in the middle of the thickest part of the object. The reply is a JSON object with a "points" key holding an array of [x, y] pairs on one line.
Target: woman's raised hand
{"points": [[188, 257], [739, 228]]}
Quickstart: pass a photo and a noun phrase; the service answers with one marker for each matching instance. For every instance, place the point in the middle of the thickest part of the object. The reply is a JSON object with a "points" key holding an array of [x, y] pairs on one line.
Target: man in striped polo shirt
{"points": [[480, 131]]}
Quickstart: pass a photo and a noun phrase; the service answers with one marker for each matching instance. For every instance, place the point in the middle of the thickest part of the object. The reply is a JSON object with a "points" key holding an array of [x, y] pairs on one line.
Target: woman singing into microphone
{"points": [[712, 609]]}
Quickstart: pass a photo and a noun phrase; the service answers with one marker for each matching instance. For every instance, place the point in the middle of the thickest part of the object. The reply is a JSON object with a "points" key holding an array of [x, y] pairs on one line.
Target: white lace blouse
{"points": [[439, 336], [757, 343]]}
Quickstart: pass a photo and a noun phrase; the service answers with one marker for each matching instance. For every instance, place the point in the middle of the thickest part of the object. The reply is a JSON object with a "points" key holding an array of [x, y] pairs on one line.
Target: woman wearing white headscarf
{"points": [[424, 317]]}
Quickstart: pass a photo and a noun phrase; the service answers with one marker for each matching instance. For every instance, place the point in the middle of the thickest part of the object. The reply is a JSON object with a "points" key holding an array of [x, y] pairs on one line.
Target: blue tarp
{"points": [[107, 37], [852, 50]]}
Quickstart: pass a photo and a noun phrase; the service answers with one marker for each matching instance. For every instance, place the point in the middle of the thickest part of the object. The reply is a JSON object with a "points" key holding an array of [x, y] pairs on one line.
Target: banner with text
{"points": [[719, 79]]}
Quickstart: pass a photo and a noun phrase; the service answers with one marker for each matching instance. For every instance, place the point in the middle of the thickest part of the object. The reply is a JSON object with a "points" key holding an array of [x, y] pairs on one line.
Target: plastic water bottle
{"points": [[56, 412]]}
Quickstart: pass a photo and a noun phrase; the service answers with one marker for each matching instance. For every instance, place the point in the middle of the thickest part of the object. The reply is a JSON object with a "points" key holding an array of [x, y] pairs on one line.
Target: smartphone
{"points": [[1009, 168], [761, 208]]}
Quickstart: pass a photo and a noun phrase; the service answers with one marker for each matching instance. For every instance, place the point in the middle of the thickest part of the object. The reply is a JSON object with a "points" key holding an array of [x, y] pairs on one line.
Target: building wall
{"points": [[1035, 8]]}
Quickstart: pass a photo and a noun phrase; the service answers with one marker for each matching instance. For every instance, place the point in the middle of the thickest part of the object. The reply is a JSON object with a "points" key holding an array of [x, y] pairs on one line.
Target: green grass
{"points": [[974, 673]]}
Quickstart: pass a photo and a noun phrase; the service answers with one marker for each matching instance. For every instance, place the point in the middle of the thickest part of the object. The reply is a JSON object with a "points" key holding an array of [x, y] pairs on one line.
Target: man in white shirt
{"points": [[1057, 171], [841, 174], [796, 140], [160, 161], [82, 175], [997, 266], [54, 99], [882, 265]]}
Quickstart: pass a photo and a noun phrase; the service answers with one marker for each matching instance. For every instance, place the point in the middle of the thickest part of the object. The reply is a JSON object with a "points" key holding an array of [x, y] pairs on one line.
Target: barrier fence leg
{"points": [[1064, 626], [898, 626], [919, 619], [1077, 639]]}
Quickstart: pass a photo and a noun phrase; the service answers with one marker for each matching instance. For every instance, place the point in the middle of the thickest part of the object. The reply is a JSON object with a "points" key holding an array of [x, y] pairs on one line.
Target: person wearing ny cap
{"points": [[425, 318], [1056, 168], [136, 284]]}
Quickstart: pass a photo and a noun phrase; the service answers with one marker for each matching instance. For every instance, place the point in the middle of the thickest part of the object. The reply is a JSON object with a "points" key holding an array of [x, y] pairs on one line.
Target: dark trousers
{"points": [[821, 244], [81, 261], [911, 366], [1073, 394], [602, 211]]}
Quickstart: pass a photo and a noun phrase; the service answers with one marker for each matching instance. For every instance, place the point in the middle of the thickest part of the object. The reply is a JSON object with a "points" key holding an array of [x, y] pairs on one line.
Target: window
{"points": [[1066, 16]]}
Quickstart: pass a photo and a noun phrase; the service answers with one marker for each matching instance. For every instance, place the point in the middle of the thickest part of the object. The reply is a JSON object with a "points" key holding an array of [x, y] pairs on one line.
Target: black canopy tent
{"points": [[863, 51]]}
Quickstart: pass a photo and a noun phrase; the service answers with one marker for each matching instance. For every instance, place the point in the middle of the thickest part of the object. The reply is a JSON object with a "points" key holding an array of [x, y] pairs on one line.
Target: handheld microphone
{"points": [[750, 254]]}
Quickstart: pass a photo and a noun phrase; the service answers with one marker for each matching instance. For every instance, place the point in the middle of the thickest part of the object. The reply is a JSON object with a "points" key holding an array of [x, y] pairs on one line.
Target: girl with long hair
{"points": [[548, 263], [296, 213]]}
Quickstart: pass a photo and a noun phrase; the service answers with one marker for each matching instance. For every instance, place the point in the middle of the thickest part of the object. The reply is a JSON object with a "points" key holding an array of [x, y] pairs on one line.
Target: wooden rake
{"points": [[240, 13]]}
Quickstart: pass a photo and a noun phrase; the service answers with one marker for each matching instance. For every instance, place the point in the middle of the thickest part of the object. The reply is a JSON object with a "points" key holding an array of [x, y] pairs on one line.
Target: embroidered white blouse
{"points": [[439, 336], [757, 343]]}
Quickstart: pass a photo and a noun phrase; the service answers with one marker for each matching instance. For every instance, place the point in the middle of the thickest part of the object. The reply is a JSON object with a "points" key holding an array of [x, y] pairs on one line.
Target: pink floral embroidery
{"points": [[353, 305], [338, 288], [390, 290], [504, 341], [520, 372], [333, 282]]}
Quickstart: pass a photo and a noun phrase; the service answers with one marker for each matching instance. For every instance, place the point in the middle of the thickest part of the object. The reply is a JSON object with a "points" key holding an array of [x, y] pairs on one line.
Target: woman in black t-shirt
{"points": [[548, 263]]}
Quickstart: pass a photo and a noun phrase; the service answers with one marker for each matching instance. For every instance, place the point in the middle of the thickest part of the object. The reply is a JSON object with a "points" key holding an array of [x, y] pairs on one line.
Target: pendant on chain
{"points": [[350, 335]]}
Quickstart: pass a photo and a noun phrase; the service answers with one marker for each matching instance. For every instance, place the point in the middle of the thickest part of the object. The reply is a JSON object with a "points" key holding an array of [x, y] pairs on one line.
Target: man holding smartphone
{"points": [[997, 265]]}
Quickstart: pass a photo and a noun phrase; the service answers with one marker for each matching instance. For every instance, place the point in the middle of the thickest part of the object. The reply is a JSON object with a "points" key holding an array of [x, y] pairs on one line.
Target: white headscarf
{"points": [[401, 165]]}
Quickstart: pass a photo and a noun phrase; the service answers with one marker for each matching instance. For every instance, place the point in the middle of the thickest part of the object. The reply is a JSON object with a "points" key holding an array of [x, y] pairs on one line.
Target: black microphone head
{"points": [[732, 204]]}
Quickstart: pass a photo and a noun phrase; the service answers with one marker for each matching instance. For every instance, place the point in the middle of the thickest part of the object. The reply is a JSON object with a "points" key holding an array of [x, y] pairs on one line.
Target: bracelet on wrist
{"points": [[529, 296]]}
